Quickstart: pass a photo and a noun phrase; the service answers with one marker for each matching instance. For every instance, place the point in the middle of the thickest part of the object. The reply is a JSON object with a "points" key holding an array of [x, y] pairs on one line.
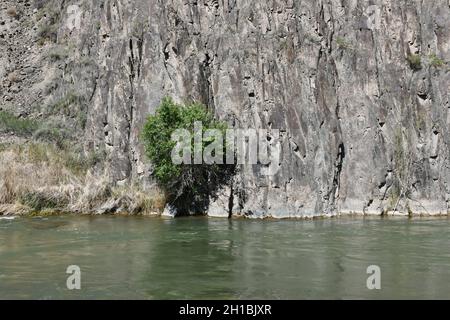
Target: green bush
{"points": [[47, 32], [39, 131], [435, 61], [415, 61], [57, 53], [188, 186], [40, 201], [48, 27], [63, 104], [19, 126], [53, 135], [342, 43]]}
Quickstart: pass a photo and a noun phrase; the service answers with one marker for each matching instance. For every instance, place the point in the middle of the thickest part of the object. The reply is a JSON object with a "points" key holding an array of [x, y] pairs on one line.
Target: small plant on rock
{"points": [[415, 61], [435, 61], [342, 43], [13, 77], [19, 126], [12, 12]]}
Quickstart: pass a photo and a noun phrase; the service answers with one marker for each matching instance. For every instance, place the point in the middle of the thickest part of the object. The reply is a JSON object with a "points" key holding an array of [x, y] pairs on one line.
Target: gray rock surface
{"points": [[363, 130]]}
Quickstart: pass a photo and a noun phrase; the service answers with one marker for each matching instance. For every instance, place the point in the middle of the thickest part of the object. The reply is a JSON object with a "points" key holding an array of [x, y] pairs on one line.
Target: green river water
{"points": [[201, 258]]}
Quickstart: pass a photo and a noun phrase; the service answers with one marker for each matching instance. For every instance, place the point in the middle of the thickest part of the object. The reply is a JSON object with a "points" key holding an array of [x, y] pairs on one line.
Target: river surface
{"points": [[201, 258]]}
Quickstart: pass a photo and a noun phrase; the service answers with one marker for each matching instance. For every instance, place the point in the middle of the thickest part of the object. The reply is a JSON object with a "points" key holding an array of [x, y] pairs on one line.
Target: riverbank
{"points": [[19, 210], [39, 178]]}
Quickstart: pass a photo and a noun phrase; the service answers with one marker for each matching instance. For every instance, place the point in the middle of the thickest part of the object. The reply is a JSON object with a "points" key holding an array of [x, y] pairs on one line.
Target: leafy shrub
{"points": [[47, 32], [39, 200], [19, 126], [51, 134], [415, 61], [48, 28], [342, 43], [45, 131], [39, 4], [188, 186], [79, 163], [435, 61], [62, 104], [57, 53]]}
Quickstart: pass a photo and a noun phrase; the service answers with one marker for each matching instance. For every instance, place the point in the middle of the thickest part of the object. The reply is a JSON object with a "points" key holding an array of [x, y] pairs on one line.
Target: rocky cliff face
{"points": [[359, 90]]}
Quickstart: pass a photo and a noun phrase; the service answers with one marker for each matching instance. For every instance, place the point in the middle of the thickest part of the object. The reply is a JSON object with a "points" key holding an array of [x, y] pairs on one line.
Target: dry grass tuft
{"points": [[13, 77], [12, 12], [40, 178], [13, 209], [134, 200]]}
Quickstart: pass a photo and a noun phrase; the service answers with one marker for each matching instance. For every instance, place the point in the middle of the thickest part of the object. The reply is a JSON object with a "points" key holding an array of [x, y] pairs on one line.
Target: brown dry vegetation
{"points": [[39, 178], [13, 77], [12, 12]]}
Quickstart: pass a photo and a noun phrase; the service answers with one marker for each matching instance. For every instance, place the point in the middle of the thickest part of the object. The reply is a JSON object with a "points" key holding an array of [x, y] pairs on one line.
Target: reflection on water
{"points": [[199, 258]]}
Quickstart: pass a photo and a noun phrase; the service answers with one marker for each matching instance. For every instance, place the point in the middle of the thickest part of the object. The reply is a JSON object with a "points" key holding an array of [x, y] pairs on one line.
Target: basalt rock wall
{"points": [[358, 89]]}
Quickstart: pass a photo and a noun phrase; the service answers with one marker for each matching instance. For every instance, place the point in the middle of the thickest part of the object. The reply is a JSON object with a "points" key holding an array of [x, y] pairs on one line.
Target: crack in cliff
{"points": [[135, 72], [205, 73], [231, 202], [166, 53], [338, 170]]}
